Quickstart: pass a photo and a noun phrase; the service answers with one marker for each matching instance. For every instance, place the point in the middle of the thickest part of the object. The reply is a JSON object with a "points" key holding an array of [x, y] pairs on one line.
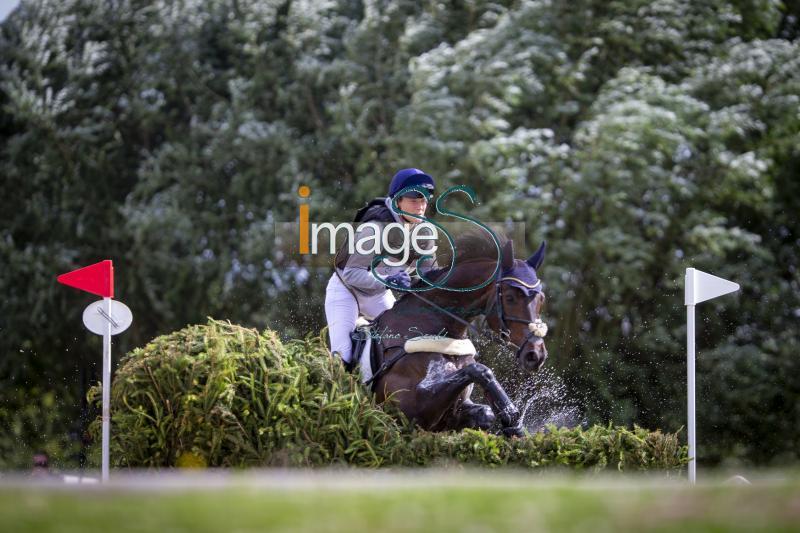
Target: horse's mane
{"points": [[470, 246]]}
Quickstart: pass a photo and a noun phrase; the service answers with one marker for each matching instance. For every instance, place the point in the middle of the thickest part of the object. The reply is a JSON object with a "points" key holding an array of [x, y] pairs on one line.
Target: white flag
{"points": [[701, 286]]}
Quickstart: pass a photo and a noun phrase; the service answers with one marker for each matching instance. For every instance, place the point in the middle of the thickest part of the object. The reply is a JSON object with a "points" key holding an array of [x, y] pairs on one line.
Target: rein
{"points": [[490, 335], [389, 363], [536, 328]]}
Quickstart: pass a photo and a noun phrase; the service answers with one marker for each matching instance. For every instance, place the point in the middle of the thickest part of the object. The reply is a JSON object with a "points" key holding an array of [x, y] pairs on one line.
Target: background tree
{"points": [[638, 138]]}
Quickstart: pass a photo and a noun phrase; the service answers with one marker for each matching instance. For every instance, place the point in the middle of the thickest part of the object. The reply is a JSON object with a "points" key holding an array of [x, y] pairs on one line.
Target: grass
{"points": [[418, 501]]}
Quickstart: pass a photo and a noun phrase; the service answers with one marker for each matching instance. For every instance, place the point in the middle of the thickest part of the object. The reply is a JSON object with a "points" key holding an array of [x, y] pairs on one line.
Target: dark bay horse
{"points": [[433, 389]]}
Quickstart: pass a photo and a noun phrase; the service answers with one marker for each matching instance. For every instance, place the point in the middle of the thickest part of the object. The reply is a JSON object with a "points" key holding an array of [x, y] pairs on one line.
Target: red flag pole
{"points": [[106, 391], [99, 279]]}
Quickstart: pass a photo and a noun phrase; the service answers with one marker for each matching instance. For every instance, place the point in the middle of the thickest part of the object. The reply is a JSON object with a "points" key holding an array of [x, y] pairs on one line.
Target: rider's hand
{"points": [[400, 280]]}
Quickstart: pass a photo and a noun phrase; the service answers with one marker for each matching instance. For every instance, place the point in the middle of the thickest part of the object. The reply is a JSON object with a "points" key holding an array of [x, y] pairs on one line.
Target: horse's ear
{"points": [[537, 258], [507, 257]]}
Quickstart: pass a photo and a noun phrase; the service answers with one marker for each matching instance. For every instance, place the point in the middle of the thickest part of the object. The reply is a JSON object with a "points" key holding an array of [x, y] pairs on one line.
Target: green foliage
{"points": [[223, 395], [234, 397], [30, 423], [637, 137], [596, 448], [639, 143]]}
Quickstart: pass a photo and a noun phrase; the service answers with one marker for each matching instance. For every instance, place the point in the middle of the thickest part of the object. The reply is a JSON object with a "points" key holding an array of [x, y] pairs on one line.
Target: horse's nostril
{"points": [[534, 359], [531, 359]]}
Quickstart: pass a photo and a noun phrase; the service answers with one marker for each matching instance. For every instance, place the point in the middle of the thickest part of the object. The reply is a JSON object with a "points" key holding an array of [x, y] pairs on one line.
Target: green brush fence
{"points": [[222, 395]]}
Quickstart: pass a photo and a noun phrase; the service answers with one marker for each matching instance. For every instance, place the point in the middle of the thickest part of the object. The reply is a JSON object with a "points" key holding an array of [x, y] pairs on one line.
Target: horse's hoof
{"points": [[509, 416], [514, 431]]}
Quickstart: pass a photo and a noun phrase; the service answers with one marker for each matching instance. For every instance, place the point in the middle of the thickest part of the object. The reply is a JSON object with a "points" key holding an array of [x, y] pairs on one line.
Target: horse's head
{"points": [[518, 301]]}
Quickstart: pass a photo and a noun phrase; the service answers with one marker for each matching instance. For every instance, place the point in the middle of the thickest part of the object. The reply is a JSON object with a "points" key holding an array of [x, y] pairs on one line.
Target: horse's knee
{"points": [[481, 373]]}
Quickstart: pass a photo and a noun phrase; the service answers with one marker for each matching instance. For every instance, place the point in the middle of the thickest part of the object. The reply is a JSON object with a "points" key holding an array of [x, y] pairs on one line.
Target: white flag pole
{"points": [[699, 286], [106, 388], [690, 394]]}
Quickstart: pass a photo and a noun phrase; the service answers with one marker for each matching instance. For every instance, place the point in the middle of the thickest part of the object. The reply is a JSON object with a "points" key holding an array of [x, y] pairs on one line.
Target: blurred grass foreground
{"points": [[223, 395], [433, 501], [423, 501]]}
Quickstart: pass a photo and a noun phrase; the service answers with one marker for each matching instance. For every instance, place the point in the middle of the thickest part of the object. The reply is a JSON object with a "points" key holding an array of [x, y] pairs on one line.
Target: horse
{"points": [[432, 388]]}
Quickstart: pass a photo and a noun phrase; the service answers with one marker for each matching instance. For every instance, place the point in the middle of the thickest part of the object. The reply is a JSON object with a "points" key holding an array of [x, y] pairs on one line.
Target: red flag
{"points": [[97, 279]]}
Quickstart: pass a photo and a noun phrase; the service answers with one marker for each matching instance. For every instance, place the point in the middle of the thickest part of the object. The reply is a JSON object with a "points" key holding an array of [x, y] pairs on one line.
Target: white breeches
{"points": [[341, 312]]}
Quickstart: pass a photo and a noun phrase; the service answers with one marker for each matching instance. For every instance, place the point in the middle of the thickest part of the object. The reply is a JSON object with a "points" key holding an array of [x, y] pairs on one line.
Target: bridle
{"points": [[536, 328]]}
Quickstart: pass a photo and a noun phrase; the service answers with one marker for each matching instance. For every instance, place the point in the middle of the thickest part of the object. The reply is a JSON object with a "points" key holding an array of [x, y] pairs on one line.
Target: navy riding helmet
{"points": [[409, 177]]}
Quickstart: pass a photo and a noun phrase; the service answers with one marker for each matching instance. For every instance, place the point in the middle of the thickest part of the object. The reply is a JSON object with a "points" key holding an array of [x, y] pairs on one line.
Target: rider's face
{"points": [[416, 206]]}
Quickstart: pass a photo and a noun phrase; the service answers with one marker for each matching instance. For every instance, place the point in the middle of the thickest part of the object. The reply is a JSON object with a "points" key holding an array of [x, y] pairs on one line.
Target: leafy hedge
{"points": [[222, 395], [31, 422]]}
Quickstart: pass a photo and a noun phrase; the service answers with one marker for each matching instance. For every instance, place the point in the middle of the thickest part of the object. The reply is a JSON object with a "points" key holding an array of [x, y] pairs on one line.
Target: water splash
{"points": [[542, 397]]}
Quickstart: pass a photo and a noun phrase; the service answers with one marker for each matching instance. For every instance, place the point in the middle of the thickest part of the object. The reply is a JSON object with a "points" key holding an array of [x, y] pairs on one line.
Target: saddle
{"points": [[368, 354]]}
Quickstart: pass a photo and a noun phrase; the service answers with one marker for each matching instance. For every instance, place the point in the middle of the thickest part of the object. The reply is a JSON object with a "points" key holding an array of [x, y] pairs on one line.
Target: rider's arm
{"points": [[356, 272], [361, 278]]}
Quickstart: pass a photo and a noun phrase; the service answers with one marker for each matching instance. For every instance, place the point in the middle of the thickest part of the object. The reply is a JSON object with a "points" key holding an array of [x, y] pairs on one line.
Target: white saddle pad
{"points": [[424, 343], [440, 345]]}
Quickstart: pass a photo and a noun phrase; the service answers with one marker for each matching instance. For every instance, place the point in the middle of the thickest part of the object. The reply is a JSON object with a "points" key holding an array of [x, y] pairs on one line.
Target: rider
{"points": [[353, 289]]}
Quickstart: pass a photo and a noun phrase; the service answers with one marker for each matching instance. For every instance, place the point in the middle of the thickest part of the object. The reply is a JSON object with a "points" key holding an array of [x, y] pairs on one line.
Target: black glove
{"points": [[401, 280]]}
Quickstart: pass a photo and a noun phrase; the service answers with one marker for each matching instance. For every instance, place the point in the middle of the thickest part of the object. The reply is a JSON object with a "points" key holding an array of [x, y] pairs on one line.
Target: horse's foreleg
{"points": [[440, 389], [472, 415], [505, 410]]}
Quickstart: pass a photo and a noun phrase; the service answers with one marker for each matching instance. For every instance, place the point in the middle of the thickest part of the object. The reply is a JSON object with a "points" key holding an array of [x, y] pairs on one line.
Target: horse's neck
{"points": [[429, 320], [423, 319], [467, 274]]}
